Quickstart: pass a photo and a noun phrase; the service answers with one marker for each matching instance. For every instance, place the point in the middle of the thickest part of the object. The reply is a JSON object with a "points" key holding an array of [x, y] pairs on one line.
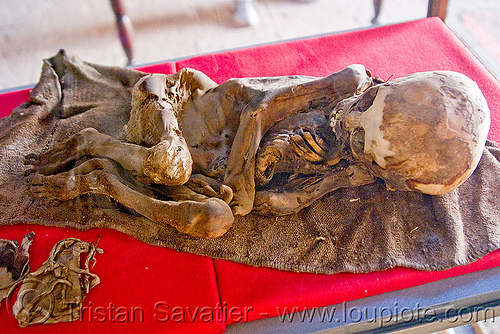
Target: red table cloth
{"points": [[152, 289]]}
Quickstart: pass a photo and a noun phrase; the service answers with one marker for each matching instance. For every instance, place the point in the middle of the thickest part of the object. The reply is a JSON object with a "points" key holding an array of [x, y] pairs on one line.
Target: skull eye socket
{"points": [[357, 141], [366, 101]]}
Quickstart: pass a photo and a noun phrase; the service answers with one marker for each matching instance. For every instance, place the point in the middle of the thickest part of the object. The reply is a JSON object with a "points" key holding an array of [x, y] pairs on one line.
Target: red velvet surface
{"points": [[397, 50], [207, 294], [268, 292], [167, 68], [142, 287], [11, 100]]}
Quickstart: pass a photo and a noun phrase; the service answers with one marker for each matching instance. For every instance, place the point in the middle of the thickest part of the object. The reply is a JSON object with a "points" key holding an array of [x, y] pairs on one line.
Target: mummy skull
{"points": [[424, 132]]}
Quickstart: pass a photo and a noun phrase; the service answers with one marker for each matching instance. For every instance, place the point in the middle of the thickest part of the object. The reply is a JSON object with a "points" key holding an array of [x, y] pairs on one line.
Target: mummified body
{"points": [[271, 144]]}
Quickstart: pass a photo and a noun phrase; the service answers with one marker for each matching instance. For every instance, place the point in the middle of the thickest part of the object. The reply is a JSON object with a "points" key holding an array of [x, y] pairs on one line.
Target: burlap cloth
{"points": [[355, 230]]}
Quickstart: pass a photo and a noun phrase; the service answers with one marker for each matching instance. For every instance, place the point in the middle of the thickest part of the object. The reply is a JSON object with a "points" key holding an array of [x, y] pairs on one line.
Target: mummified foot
{"points": [[207, 218], [83, 179], [209, 187], [61, 155], [50, 188]]}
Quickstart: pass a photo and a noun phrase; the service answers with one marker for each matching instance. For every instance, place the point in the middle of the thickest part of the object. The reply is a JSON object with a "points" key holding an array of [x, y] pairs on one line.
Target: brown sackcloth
{"points": [[356, 230]]}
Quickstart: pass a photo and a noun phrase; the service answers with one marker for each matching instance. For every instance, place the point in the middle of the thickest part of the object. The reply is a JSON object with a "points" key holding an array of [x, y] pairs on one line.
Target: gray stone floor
{"points": [[31, 30]]}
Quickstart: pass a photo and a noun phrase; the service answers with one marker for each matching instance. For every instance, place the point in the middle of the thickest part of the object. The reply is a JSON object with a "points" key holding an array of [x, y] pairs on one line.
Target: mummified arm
{"points": [[302, 192], [272, 106], [155, 147], [157, 102]]}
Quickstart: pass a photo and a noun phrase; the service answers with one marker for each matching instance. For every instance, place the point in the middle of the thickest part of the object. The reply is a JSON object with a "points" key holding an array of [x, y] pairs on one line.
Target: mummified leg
{"points": [[161, 163], [68, 185], [165, 158], [87, 142], [207, 218]]}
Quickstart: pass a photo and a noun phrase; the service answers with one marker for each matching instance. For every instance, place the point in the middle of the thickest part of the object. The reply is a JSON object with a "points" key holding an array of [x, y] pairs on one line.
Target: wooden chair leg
{"points": [[437, 8], [245, 13], [125, 29], [377, 5]]}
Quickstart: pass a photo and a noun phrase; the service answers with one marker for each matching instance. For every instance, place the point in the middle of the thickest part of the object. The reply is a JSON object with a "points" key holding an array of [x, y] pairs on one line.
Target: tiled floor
{"points": [[31, 30]]}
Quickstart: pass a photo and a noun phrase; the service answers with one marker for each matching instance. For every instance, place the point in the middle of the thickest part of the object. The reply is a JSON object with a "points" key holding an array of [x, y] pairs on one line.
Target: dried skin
{"points": [[273, 105], [302, 191], [183, 124], [55, 292], [297, 145], [424, 132], [198, 151]]}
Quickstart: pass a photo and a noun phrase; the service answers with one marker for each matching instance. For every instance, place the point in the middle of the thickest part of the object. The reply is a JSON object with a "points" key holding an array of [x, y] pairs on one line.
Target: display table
{"points": [[152, 289]]}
